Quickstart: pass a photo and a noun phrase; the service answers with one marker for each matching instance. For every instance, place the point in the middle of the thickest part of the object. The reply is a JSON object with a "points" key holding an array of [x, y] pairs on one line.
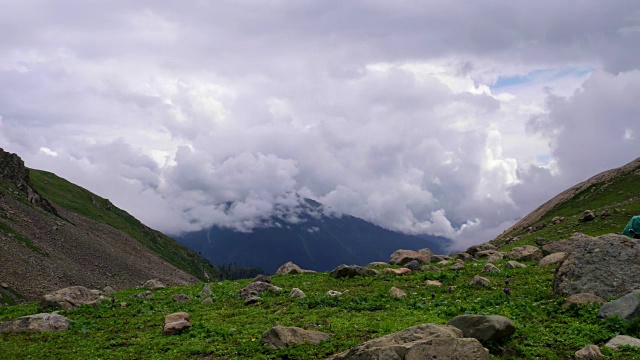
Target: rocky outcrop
{"points": [[70, 298], [607, 266], [343, 271], [280, 337], [484, 327], [401, 257], [36, 323], [426, 341]]}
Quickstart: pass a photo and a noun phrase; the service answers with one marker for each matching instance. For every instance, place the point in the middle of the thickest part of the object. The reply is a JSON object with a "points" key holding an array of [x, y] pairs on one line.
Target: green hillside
{"points": [[89, 205]]}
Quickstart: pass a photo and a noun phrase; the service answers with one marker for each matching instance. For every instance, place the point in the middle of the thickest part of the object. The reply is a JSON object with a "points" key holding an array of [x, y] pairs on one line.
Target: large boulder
{"points": [[289, 268], [36, 323], [627, 307], [426, 341], [255, 288], [176, 323], [525, 253], [401, 257], [607, 266], [484, 327], [565, 245], [473, 250], [280, 337], [343, 271], [70, 298]]}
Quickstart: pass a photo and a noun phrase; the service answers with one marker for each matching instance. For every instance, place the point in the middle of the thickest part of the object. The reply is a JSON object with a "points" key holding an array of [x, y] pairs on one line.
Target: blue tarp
{"points": [[633, 227]]}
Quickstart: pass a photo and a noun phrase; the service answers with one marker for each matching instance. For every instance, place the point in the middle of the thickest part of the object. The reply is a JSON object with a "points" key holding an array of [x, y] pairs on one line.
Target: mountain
{"points": [[55, 234], [310, 237], [615, 192]]}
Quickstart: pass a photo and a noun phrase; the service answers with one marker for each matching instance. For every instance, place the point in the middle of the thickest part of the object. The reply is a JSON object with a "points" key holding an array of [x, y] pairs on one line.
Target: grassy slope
{"points": [[85, 203], [228, 329]]}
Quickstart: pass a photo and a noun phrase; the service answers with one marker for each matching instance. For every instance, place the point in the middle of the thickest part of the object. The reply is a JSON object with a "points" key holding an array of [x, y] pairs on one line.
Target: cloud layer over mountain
{"points": [[444, 117]]}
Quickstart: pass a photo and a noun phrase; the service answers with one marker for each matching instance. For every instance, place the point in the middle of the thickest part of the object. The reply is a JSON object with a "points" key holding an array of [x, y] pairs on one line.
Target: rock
{"points": [[426, 341], [489, 267], [626, 307], [181, 298], [605, 213], [399, 271], [207, 301], [251, 299], [457, 266], [108, 290], [565, 245], [489, 253], [256, 288], [348, 271], [525, 253], [621, 340], [397, 293], [70, 298], [485, 328], [175, 323], [587, 216], [607, 266], [427, 253], [377, 263], [143, 295], [473, 250], [36, 323], [439, 258], [480, 281], [289, 268], [413, 265], [514, 265], [262, 278], [464, 256], [557, 220], [333, 293], [401, 257], [589, 352], [582, 299], [206, 291], [4, 285], [433, 283], [280, 337], [154, 284], [451, 289], [430, 268], [297, 293], [552, 259]]}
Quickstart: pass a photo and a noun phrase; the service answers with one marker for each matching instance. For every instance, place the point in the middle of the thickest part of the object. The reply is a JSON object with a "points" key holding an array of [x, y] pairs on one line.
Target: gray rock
{"points": [[552, 259], [525, 253], [605, 213], [413, 265], [397, 293], [484, 327], [439, 258], [70, 298], [626, 307], [176, 323], [480, 281], [333, 293], [433, 283], [589, 352], [206, 291], [565, 245], [181, 298], [4, 285], [343, 271], [621, 340], [255, 288], [108, 290], [582, 299], [263, 277], [36, 323], [154, 284], [251, 299], [487, 253], [427, 253], [280, 337], [289, 268], [464, 256], [473, 250], [587, 216], [489, 267], [426, 341], [143, 295], [401, 257], [457, 266], [607, 266], [207, 301], [514, 265], [297, 293], [430, 268], [377, 263]]}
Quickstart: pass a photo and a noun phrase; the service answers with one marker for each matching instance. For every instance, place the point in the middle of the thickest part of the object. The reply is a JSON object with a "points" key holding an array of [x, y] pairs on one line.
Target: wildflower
{"points": [[506, 281], [507, 291]]}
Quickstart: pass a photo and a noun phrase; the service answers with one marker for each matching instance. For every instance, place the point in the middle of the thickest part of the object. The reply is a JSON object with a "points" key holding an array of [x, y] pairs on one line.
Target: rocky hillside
{"points": [[54, 234]]}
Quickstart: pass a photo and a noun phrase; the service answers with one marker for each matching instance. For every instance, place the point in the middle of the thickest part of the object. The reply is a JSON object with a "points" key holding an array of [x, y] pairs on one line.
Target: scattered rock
{"points": [[401, 257], [297, 293], [621, 340], [377, 263], [154, 284], [251, 299], [289, 268], [399, 271], [589, 352], [70, 298], [280, 337], [427, 253], [256, 288], [489, 267], [343, 271], [413, 265], [464, 256], [333, 293], [451, 289], [433, 283], [525, 253], [36, 323], [175, 323], [262, 278], [207, 301], [439, 258], [181, 298], [626, 307], [480, 281], [397, 293], [457, 266], [206, 291], [605, 213], [4, 285], [108, 290], [514, 265], [443, 262], [607, 266], [484, 327], [143, 295], [552, 259], [587, 216], [426, 341], [473, 250], [582, 299], [430, 268], [557, 220]]}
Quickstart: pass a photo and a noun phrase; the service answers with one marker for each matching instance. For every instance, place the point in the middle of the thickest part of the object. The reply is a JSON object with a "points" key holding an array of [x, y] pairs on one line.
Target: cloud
{"points": [[447, 118]]}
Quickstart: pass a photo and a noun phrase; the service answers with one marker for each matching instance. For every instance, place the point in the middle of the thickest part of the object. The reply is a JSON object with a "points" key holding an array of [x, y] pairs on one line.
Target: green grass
{"points": [[87, 204], [227, 329]]}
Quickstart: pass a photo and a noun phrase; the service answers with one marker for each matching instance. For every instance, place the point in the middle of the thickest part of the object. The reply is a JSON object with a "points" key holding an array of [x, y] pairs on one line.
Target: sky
{"points": [[452, 118]]}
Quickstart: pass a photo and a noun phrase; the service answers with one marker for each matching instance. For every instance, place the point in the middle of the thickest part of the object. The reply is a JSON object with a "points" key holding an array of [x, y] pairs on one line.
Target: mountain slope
{"points": [[617, 190], [55, 234], [314, 241]]}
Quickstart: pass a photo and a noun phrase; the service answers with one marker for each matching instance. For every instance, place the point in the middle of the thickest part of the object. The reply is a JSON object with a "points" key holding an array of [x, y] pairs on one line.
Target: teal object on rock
{"points": [[633, 227]]}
